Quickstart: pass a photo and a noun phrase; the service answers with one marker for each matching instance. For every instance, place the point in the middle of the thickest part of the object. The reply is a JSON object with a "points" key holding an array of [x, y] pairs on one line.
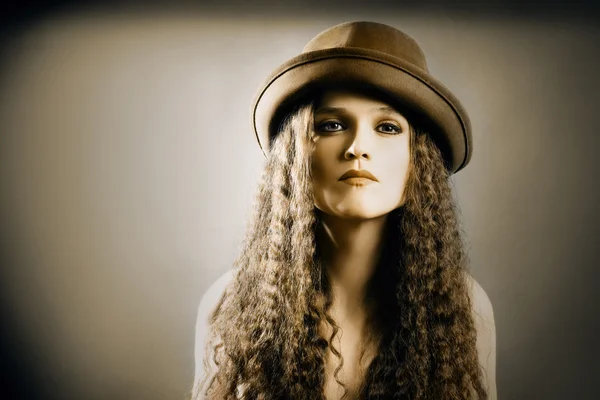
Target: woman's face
{"points": [[353, 133]]}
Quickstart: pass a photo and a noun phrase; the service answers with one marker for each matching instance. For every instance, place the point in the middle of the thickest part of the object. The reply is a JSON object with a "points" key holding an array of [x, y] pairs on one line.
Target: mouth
{"points": [[357, 181], [356, 176]]}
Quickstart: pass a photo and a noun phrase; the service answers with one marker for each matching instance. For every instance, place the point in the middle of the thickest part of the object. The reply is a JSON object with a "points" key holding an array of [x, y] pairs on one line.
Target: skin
{"points": [[354, 131]]}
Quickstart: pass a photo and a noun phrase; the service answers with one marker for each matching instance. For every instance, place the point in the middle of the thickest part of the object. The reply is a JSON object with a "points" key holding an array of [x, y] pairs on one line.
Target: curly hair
{"points": [[264, 336]]}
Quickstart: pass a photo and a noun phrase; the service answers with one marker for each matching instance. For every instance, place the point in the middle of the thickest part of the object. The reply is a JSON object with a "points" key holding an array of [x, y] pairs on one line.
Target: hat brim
{"points": [[447, 121]]}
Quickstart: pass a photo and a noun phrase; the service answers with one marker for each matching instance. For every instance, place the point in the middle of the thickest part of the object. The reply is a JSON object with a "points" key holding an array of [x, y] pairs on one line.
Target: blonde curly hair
{"points": [[264, 335]]}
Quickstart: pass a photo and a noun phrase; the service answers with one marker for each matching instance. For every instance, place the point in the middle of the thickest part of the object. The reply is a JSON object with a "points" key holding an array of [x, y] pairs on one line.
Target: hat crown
{"points": [[371, 36]]}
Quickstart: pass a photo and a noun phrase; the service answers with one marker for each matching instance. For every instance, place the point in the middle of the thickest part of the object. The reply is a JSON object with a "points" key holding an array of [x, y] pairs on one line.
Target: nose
{"points": [[358, 147]]}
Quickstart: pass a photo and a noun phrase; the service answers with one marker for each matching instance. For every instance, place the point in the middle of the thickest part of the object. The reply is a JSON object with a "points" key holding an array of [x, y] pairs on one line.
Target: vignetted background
{"points": [[128, 168]]}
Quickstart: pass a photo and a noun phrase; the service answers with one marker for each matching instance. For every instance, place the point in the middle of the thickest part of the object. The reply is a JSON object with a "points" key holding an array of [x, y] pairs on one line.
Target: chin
{"points": [[360, 213], [355, 210]]}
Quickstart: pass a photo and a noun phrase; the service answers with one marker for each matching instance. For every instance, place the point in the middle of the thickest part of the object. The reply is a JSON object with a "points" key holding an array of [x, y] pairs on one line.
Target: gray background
{"points": [[128, 170]]}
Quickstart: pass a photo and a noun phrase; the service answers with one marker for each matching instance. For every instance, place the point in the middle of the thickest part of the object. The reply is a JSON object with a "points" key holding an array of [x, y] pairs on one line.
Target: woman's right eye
{"points": [[330, 126]]}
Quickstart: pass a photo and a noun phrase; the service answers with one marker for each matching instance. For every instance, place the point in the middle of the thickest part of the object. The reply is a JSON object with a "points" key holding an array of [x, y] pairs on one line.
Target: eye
{"points": [[390, 128], [330, 126]]}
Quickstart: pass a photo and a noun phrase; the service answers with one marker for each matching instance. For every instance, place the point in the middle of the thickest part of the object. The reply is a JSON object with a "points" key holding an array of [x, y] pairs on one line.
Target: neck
{"points": [[351, 250]]}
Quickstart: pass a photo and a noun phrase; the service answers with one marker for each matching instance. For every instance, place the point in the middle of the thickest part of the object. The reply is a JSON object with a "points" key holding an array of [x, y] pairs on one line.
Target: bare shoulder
{"points": [[485, 325], [208, 305], [213, 295], [482, 306]]}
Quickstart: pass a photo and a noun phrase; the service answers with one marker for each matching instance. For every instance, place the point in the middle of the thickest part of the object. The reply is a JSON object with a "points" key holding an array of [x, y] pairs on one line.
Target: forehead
{"points": [[352, 100]]}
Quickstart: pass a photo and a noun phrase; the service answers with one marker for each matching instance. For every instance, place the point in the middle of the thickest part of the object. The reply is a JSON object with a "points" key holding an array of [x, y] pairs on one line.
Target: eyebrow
{"points": [[387, 109], [327, 110]]}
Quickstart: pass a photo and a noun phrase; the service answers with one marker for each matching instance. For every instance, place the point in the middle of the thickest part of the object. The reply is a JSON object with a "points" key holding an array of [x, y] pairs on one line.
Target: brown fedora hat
{"points": [[369, 56]]}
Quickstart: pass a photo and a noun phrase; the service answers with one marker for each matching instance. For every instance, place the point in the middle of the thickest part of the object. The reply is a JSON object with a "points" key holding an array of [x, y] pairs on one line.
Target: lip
{"points": [[361, 175], [357, 181]]}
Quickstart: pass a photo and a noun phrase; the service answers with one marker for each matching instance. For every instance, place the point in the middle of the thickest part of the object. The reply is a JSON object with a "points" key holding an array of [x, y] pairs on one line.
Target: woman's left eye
{"points": [[388, 127]]}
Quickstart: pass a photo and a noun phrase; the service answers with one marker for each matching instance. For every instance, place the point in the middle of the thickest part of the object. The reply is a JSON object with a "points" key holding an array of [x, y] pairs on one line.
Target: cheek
{"points": [[318, 171], [323, 164], [319, 179], [396, 174], [401, 167]]}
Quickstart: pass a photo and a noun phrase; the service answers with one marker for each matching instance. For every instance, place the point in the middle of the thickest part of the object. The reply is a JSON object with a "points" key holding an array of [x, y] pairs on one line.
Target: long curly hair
{"points": [[264, 336]]}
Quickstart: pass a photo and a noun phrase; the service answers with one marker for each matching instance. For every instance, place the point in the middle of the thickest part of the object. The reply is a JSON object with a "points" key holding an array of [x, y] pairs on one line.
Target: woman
{"points": [[352, 282]]}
